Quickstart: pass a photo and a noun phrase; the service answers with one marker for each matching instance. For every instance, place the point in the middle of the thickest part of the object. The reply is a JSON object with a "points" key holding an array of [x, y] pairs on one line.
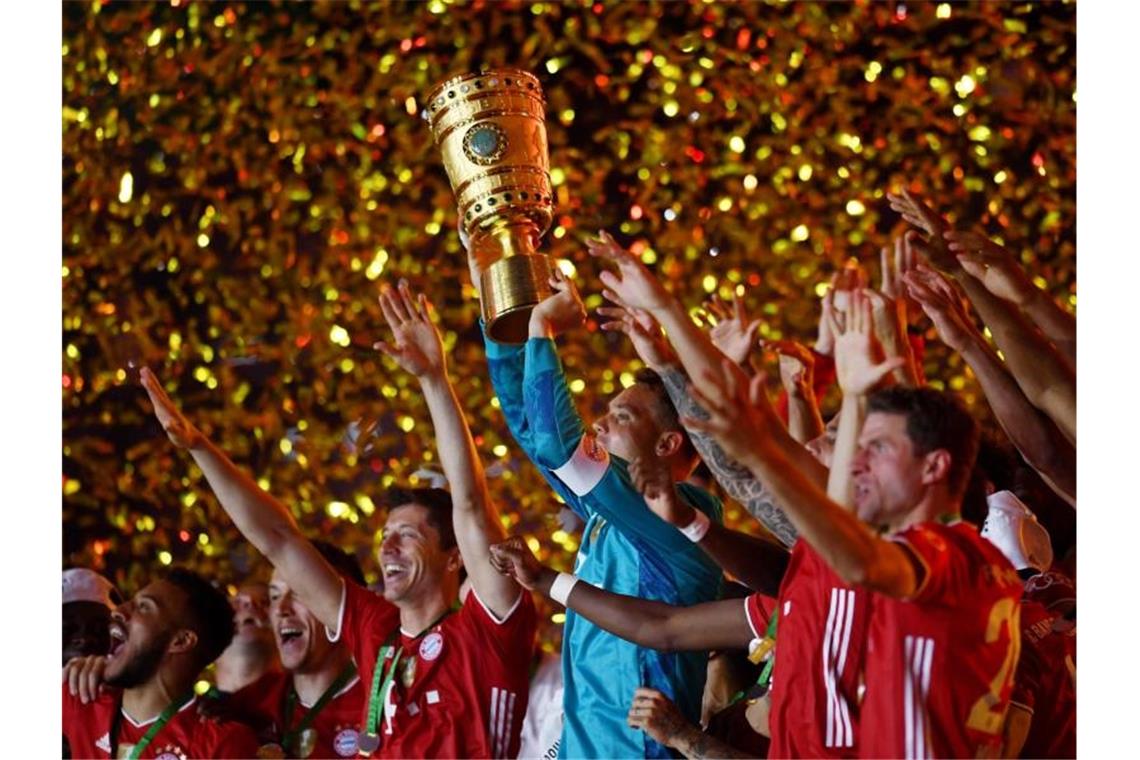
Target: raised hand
{"points": [[733, 334], [992, 265], [859, 360], [180, 430], [559, 312], [739, 415], [643, 331], [654, 482], [934, 249], [915, 211], [632, 285], [941, 302], [797, 367], [84, 676], [514, 559], [416, 345]]}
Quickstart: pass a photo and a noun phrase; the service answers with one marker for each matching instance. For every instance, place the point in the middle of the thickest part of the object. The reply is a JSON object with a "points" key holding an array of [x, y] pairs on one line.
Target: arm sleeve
{"points": [[736, 479], [364, 623], [506, 364], [942, 567], [564, 447], [556, 429], [513, 636]]}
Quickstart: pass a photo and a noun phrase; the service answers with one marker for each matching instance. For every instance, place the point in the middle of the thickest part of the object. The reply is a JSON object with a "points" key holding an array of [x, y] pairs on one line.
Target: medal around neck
{"points": [[368, 743], [490, 129]]}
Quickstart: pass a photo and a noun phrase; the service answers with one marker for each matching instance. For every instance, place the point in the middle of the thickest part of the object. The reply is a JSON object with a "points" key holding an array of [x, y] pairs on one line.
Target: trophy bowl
{"points": [[490, 129]]}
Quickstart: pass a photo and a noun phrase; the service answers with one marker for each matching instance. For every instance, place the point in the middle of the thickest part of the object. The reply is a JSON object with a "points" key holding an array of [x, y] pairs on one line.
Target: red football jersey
{"points": [[819, 642], [460, 689], [939, 666], [1046, 682], [186, 735], [262, 705]]}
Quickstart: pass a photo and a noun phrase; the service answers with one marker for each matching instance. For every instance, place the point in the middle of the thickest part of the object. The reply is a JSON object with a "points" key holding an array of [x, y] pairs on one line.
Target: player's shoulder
{"points": [[106, 702], [215, 734]]}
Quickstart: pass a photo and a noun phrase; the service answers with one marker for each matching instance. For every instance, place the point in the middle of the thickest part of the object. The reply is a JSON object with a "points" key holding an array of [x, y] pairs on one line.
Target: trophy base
{"points": [[512, 286]]}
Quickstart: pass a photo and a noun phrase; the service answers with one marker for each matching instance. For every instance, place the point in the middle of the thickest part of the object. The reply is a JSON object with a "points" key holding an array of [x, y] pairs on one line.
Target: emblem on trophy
{"points": [[490, 129]]}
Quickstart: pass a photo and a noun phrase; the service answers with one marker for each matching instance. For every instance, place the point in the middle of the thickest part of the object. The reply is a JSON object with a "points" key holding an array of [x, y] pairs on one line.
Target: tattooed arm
{"points": [[736, 479], [657, 716]]}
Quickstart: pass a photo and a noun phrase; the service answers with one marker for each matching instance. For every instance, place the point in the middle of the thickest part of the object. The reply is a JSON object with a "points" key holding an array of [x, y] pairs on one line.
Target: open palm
{"points": [[180, 430], [859, 362], [733, 334], [416, 344], [633, 285]]}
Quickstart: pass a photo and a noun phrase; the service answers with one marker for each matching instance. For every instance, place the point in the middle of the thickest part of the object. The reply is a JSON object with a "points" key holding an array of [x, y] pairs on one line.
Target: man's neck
{"points": [[239, 667], [146, 702], [415, 617], [310, 685]]}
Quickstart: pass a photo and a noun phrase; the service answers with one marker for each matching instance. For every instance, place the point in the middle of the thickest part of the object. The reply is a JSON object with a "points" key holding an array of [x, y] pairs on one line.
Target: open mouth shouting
{"points": [[292, 640], [118, 640]]}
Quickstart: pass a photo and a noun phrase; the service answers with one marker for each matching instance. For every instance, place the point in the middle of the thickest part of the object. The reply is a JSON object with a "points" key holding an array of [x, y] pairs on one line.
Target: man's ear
{"points": [[936, 466], [668, 443], [454, 559], [183, 641]]}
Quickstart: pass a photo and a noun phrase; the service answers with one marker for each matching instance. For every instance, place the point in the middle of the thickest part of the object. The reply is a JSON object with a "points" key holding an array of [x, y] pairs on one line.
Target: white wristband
{"points": [[697, 529], [560, 589]]}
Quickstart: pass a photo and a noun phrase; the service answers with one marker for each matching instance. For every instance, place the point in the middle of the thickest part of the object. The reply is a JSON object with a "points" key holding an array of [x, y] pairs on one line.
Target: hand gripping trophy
{"points": [[490, 128]]}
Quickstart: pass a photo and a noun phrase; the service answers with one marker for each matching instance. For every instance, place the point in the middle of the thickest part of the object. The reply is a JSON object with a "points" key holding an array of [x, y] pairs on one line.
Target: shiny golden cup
{"points": [[490, 128]]}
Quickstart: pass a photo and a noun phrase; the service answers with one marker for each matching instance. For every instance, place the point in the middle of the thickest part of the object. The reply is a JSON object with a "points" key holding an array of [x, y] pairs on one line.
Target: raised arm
{"points": [[859, 364], [265, 522], [1040, 442], [737, 481], [633, 286], [1043, 374], [417, 348], [797, 370], [711, 625], [998, 270], [740, 417], [756, 563]]}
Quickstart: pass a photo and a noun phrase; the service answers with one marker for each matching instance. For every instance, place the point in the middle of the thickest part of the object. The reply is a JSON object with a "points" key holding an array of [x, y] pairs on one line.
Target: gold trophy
{"points": [[490, 128]]}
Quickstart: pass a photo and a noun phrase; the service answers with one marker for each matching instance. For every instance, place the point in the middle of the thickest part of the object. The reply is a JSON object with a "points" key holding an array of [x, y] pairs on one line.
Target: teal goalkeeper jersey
{"points": [[625, 549]]}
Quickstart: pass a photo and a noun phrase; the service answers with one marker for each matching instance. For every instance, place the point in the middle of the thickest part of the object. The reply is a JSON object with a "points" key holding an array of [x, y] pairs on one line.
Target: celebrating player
{"points": [[312, 710], [443, 679], [140, 701], [625, 547], [942, 636]]}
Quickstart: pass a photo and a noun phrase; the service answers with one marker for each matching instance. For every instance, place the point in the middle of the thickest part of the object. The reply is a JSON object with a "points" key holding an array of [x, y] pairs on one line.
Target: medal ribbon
{"points": [[376, 701], [291, 735], [163, 718]]}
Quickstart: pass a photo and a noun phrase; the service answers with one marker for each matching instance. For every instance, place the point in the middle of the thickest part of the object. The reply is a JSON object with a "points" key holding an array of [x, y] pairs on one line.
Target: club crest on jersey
{"points": [[431, 646], [170, 752], [345, 743]]}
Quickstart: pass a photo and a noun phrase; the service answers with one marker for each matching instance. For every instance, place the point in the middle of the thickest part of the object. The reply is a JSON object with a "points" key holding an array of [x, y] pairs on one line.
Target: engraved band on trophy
{"points": [[490, 129]]}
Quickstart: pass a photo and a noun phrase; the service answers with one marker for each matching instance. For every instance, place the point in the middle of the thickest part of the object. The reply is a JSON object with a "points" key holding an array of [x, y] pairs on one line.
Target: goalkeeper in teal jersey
{"points": [[625, 548]]}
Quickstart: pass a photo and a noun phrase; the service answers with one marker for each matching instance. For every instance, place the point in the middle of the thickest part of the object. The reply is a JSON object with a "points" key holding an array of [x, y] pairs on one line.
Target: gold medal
{"points": [[409, 674], [125, 751], [270, 751], [307, 742]]}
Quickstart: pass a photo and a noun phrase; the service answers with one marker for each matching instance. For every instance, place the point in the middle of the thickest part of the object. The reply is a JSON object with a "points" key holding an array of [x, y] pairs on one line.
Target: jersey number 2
{"points": [[987, 714]]}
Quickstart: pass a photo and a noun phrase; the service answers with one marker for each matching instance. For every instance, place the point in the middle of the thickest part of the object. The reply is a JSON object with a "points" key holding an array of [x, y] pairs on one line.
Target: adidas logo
{"points": [[104, 743]]}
